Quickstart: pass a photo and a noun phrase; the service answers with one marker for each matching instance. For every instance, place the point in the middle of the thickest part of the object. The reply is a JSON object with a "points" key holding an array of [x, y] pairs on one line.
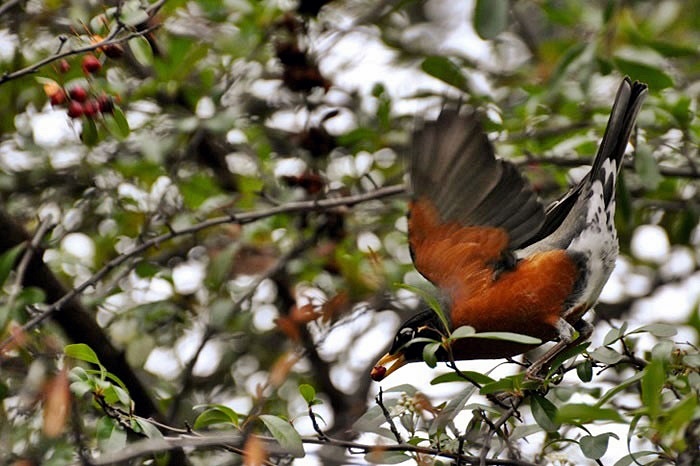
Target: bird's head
{"points": [[409, 342]]}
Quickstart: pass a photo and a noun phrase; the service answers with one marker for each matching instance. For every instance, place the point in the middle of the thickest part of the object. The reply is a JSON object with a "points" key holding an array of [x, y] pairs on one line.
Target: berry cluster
{"points": [[77, 98]]}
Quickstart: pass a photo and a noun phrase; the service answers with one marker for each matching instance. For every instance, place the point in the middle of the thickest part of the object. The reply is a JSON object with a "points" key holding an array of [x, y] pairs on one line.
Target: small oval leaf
{"points": [[429, 354], [445, 70], [654, 76], [594, 447], [82, 352], [463, 332], [490, 18], [307, 392], [544, 412], [285, 434], [509, 336]]}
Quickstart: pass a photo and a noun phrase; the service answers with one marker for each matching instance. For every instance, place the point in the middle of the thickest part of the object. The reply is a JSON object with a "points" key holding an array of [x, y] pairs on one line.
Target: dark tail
{"points": [[628, 101]]}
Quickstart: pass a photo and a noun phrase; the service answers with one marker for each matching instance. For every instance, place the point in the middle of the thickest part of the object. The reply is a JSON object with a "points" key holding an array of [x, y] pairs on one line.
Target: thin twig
{"points": [[321, 435], [495, 428], [241, 219], [380, 402], [109, 40]]}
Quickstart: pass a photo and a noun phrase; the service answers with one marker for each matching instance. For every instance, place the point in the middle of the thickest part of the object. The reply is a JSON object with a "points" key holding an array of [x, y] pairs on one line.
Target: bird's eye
{"points": [[405, 335]]}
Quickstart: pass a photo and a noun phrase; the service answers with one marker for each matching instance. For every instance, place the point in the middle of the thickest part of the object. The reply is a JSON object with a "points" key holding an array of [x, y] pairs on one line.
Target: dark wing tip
{"points": [[454, 166]]}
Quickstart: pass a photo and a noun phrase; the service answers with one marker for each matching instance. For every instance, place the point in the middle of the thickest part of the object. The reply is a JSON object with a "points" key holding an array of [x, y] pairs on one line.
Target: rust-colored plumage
{"points": [[500, 260]]}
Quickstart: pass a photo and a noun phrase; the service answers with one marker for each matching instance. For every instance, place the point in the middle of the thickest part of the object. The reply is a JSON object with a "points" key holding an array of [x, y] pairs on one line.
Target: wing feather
{"points": [[468, 206]]}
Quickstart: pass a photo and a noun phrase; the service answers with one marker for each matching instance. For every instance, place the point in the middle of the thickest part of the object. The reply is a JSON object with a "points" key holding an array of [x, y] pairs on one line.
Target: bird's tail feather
{"points": [[628, 101]]}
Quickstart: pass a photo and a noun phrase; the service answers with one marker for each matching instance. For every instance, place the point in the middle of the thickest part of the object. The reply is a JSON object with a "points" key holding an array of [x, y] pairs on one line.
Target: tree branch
{"points": [[109, 40], [241, 219], [152, 446]]}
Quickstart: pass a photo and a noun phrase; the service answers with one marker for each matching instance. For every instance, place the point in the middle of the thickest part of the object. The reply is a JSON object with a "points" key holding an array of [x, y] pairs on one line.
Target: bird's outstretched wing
{"points": [[468, 208]]}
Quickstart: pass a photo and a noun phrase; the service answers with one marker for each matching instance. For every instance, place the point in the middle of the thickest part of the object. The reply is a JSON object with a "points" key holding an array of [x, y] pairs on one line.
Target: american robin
{"points": [[500, 260]]}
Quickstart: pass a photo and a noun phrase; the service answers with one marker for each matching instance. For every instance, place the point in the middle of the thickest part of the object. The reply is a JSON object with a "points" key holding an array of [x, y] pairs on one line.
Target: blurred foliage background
{"points": [[201, 111]]}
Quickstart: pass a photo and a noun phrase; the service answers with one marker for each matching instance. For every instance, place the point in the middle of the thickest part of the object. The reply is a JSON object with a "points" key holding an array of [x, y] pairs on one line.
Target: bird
{"points": [[500, 261]]}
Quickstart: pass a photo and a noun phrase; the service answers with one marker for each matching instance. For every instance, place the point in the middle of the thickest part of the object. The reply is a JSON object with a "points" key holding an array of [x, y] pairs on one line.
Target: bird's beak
{"points": [[380, 370]]}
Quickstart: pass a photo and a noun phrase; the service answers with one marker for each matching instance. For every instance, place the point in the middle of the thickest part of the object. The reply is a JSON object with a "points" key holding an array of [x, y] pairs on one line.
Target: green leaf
{"points": [[523, 431], [453, 408], [544, 412], [682, 413], [692, 360], [567, 58], [505, 384], [652, 382], [380, 456], [429, 354], [89, 134], [490, 18], [670, 49], [148, 429], [646, 167], [134, 17], [508, 336], [633, 457], [652, 75], [372, 420], [567, 354], [80, 388], [446, 71], [584, 370], [621, 386], [7, 262], [146, 269], [605, 355], [477, 377], [285, 434], [31, 295], [116, 124], [658, 330], [612, 336], [307, 392], [216, 414], [594, 447], [81, 352], [113, 393], [110, 436], [463, 332], [580, 413], [663, 350], [142, 50]]}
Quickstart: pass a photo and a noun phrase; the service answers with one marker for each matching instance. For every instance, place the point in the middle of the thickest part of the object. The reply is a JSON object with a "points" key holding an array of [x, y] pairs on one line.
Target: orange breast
{"points": [[529, 299], [459, 259]]}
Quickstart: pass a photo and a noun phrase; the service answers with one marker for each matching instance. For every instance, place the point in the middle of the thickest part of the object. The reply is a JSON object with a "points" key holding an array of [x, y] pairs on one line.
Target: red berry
{"points": [[113, 50], [378, 373], [91, 64], [64, 66], [75, 109], [106, 104], [91, 108], [78, 93], [58, 97]]}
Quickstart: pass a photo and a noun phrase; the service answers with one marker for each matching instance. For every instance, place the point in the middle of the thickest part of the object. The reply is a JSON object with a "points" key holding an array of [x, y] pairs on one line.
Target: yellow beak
{"points": [[380, 370]]}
